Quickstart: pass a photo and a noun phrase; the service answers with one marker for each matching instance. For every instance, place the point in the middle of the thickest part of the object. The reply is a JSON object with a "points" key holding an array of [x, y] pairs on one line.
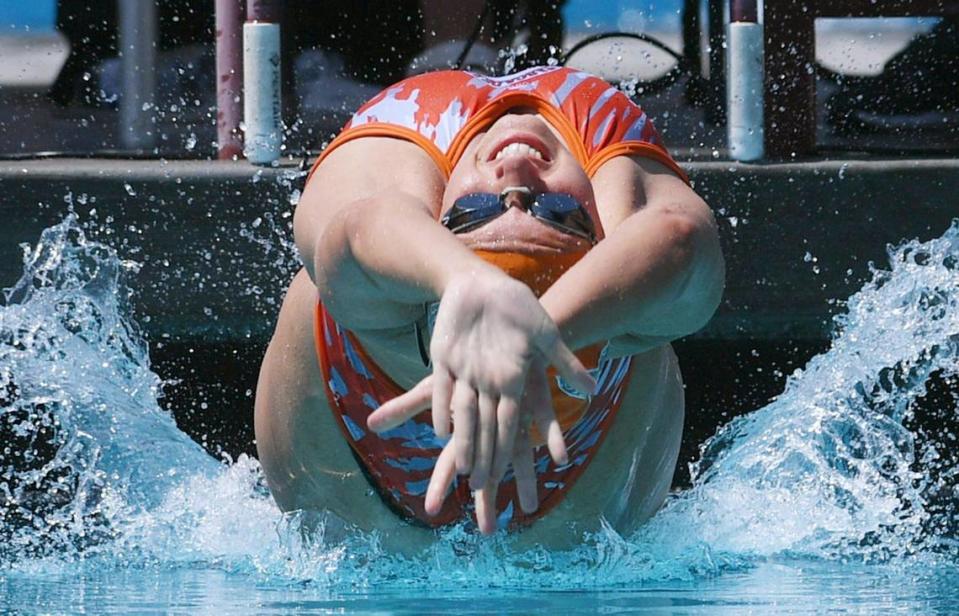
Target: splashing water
{"points": [[92, 470], [829, 469]]}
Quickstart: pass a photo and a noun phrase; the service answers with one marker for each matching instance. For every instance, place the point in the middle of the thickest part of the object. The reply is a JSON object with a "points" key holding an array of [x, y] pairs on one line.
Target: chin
{"points": [[522, 247]]}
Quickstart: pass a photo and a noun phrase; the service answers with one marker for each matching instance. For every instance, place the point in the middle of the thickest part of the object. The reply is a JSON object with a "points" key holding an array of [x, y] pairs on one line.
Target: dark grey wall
{"points": [[211, 270], [842, 213], [214, 239]]}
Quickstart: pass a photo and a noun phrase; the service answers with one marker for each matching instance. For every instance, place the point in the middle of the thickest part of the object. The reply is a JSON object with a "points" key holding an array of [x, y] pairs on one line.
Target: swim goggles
{"points": [[559, 210]]}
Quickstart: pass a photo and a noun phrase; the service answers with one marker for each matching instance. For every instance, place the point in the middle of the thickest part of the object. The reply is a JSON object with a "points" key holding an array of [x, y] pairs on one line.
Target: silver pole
{"points": [[138, 51]]}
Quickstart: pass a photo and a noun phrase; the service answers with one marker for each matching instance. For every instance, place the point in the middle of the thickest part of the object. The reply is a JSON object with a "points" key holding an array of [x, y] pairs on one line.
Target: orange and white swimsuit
{"points": [[441, 112]]}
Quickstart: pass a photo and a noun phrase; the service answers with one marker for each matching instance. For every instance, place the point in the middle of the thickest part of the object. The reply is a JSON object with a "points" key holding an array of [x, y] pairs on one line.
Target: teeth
{"points": [[519, 149]]}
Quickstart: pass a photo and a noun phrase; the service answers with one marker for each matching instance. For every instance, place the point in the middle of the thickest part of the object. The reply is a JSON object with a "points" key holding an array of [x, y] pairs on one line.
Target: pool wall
{"points": [[213, 239], [796, 236]]}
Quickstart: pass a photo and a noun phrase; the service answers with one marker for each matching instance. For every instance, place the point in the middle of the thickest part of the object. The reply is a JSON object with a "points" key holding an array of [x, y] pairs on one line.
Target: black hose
{"points": [[474, 36]]}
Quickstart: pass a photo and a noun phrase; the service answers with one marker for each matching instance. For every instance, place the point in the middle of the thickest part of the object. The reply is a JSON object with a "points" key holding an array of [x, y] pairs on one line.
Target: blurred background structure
{"points": [[833, 83]]}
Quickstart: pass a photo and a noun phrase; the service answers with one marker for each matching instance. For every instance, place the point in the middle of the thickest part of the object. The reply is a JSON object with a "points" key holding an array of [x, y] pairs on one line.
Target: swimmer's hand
{"points": [[490, 330], [536, 406]]}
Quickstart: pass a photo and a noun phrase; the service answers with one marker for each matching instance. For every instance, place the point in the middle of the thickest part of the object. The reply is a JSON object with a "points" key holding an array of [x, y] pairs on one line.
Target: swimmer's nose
{"points": [[519, 171]]}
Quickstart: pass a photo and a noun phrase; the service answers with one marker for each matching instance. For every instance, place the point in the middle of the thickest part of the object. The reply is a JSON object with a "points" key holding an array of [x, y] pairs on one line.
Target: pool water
{"points": [[767, 587], [833, 496]]}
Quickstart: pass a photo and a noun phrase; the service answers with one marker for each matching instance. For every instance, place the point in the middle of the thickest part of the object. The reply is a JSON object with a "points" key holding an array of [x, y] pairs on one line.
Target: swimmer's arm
{"points": [[659, 273], [366, 229]]}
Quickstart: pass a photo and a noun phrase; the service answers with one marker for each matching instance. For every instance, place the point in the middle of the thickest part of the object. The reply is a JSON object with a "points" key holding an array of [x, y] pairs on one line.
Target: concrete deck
{"points": [[215, 241]]}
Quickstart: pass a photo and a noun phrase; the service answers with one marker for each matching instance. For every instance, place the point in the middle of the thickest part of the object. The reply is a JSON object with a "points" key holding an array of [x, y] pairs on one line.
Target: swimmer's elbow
{"points": [[694, 259], [305, 234], [324, 246], [320, 236], [332, 255], [702, 290]]}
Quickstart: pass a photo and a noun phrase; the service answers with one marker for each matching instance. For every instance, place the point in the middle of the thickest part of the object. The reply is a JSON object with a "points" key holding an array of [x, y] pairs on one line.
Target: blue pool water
{"points": [[827, 498]]}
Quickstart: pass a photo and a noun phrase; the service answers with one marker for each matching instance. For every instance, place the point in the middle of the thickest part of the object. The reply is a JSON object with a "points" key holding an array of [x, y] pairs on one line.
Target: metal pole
{"points": [[268, 11], [790, 55], [229, 78], [138, 50], [743, 10]]}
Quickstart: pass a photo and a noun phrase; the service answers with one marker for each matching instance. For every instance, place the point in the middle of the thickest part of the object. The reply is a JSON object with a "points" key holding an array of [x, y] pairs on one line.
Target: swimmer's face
{"points": [[488, 165]]}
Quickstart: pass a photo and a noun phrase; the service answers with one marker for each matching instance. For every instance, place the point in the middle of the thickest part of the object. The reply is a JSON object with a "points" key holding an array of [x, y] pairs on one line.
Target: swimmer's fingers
{"points": [[401, 408], [464, 406], [442, 392], [568, 365], [524, 471], [485, 500], [507, 424], [442, 478], [540, 403], [485, 442]]}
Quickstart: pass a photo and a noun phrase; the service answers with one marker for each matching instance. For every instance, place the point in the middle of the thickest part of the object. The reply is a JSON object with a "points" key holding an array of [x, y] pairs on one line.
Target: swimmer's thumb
{"points": [[568, 365]]}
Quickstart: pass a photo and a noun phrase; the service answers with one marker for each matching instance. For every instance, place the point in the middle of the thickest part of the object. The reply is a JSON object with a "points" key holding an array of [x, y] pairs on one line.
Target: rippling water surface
{"points": [[830, 497]]}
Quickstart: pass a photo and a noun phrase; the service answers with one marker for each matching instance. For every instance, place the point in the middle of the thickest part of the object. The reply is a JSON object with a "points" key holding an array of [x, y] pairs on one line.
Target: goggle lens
{"points": [[559, 210]]}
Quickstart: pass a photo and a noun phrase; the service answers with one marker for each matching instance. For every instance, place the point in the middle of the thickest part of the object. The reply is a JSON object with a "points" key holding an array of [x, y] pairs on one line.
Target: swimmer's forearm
{"points": [[658, 276], [384, 255]]}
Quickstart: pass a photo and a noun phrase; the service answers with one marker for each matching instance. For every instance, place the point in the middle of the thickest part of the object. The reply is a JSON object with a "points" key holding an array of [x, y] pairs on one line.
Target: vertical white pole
{"points": [[138, 50], [744, 90], [262, 110]]}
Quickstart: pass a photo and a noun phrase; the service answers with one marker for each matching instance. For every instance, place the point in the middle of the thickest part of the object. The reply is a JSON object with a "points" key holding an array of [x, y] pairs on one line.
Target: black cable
{"points": [[473, 37]]}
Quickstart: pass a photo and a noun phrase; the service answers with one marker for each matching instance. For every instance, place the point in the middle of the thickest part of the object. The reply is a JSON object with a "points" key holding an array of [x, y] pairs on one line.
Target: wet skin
{"points": [[308, 464], [626, 482]]}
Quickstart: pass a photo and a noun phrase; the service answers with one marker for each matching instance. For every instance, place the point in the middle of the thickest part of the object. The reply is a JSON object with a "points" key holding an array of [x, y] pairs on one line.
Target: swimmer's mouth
{"points": [[523, 145]]}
